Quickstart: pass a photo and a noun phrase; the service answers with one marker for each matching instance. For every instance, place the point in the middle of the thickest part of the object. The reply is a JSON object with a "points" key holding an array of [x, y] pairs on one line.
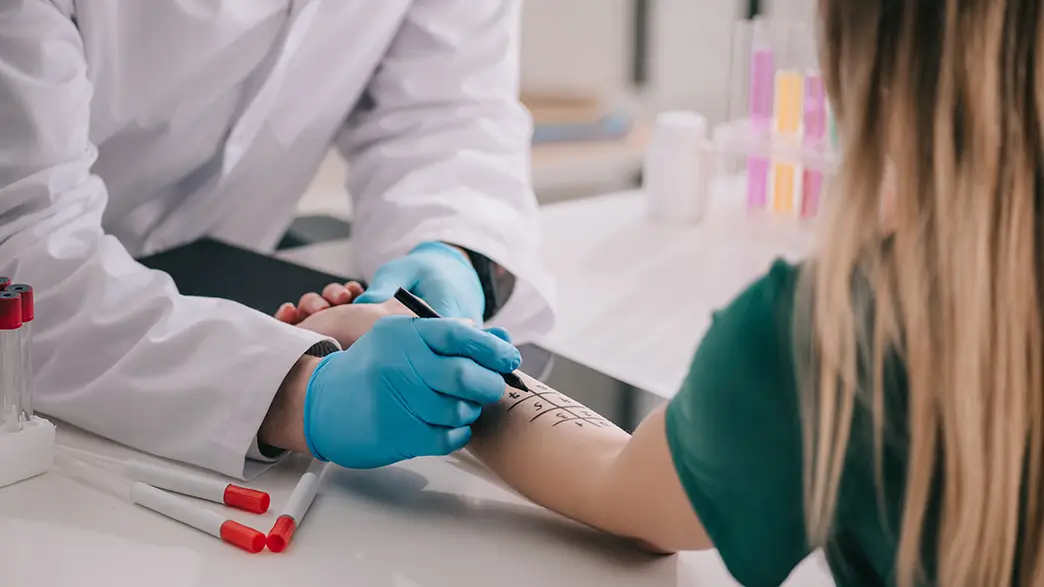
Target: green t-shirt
{"points": [[734, 432]]}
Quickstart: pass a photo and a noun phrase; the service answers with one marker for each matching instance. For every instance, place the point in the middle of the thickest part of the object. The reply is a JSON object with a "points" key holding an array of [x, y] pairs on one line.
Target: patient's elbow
{"points": [[654, 549], [671, 540]]}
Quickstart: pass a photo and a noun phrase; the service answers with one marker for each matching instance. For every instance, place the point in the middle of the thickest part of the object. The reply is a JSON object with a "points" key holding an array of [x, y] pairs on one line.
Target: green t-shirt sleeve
{"points": [[735, 437]]}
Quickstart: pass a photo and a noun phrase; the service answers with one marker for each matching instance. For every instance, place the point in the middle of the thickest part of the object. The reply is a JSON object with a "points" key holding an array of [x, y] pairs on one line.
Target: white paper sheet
{"points": [[39, 554]]}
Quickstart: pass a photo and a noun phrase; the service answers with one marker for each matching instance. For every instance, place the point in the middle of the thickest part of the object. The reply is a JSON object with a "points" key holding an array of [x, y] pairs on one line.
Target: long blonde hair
{"points": [[951, 92]]}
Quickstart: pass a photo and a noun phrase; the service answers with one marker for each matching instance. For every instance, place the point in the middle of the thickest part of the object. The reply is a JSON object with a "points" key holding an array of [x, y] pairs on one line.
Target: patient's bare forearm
{"points": [[552, 449]]}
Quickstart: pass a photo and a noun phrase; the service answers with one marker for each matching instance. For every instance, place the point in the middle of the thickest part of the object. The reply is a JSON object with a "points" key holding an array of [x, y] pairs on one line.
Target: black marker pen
{"points": [[423, 310]]}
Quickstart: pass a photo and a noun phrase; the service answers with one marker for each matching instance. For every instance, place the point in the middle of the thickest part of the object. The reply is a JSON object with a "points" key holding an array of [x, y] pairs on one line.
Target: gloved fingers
{"points": [[460, 377], [439, 441], [287, 313], [500, 333], [453, 339], [310, 304], [439, 409], [336, 294], [389, 278]]}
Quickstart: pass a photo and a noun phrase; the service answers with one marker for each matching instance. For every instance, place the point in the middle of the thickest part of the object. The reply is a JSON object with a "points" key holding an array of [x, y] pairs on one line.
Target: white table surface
{"points": [[634, 298], [426, 523]]}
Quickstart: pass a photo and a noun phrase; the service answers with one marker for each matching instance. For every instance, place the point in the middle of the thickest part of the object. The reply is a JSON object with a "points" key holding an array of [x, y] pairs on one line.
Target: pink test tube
{"points": [[762, 97], [815, 133]]}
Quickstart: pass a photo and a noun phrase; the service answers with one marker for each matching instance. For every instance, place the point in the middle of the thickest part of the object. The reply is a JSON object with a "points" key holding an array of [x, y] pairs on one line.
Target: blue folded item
{"points": [[611, 127]]}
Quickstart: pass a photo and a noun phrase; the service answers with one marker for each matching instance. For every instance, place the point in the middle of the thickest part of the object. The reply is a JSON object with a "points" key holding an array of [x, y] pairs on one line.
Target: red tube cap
{"points": [[4, 282], [246, 499], [26, 291], [242, 536], [279, 535], [10, 311]]}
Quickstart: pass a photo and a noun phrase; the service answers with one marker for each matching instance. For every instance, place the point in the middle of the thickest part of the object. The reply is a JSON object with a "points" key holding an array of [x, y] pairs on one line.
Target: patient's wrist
{"points": [[283, 427]]}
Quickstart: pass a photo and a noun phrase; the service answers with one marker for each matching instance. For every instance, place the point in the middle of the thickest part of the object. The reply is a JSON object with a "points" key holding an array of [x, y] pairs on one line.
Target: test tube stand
{"points": [[779, 118], [27, 452]]}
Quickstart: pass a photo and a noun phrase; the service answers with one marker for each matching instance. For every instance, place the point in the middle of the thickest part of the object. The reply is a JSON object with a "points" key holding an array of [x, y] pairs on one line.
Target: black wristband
{"points": [[497, 284], [321, 349]]}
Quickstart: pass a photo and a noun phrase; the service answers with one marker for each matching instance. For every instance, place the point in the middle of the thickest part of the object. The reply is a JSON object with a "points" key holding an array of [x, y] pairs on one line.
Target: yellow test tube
{"points": [[790, 86]]}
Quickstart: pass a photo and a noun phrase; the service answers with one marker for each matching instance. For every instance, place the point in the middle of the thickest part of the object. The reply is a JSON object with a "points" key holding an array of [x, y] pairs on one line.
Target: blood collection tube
{"points": [[243, 498], [10, 362], [25, 344], [4, 282]]}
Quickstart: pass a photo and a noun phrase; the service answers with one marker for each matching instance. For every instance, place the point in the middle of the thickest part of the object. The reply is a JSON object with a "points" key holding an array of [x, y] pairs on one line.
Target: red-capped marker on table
{"points": [[159, 501], [243, 498], [188, 513], [296, 507], [26, 334]]}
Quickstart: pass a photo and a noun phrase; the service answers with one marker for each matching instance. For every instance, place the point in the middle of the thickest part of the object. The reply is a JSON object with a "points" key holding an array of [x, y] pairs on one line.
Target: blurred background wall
{"points": [[595, 73]]}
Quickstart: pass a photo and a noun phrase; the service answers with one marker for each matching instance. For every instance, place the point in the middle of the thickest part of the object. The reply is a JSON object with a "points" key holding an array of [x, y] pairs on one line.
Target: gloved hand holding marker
{"points": [[431, 380], [423, 310]]}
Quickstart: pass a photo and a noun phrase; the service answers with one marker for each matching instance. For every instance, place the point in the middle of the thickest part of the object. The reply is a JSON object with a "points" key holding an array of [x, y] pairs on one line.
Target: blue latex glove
{"points": [[437, 273], [409, 387]]}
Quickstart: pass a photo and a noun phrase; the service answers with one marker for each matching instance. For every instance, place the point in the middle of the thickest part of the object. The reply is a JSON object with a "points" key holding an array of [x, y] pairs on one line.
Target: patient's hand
{"points": [[333, 314], [333, 294], [347, 323]]}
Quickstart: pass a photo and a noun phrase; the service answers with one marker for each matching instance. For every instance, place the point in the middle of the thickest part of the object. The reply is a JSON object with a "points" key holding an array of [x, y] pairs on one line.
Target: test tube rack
{"points": [[26, 440], [27, 452], [780, 125]]}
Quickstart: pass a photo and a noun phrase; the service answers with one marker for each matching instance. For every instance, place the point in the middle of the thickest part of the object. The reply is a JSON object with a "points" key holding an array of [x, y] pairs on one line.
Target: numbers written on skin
{"points": [[545, 401]]}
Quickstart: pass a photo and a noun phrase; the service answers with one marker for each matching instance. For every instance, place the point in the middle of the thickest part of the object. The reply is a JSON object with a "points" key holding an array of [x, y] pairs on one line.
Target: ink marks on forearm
{"points": [[543, 404]]}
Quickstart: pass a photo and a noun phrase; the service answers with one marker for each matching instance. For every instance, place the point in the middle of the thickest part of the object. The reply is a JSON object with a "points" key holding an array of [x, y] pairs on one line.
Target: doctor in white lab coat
{"points": [[130, 127]]}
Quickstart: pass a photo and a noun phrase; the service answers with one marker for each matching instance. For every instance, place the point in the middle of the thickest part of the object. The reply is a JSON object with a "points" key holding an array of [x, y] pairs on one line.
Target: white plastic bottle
{"points": [[675, 175]]}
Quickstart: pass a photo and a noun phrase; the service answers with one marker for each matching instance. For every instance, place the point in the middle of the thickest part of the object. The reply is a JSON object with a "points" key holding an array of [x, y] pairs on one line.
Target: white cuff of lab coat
{"points": [[255, 454], [288, 344], [257, 463]]}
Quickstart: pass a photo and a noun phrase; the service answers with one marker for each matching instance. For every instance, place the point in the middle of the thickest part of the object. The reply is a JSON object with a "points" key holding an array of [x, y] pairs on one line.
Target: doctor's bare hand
{"points": [[410, 387]]}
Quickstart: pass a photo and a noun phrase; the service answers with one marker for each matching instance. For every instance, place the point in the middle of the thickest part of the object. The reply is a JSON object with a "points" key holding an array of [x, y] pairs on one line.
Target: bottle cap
{"points": [[26, 291], [10, 311], [682, 121]]}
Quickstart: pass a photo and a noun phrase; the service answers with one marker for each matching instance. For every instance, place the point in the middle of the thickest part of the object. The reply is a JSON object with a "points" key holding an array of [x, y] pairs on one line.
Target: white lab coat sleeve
{"points": [[117, 351], [439, 149]]}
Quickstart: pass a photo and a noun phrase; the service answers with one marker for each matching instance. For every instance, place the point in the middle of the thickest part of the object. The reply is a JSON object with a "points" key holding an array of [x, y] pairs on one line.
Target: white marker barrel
{"points": [[199, 486], [296, 507], [176, 481], [176, 508], [201, 519]]}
